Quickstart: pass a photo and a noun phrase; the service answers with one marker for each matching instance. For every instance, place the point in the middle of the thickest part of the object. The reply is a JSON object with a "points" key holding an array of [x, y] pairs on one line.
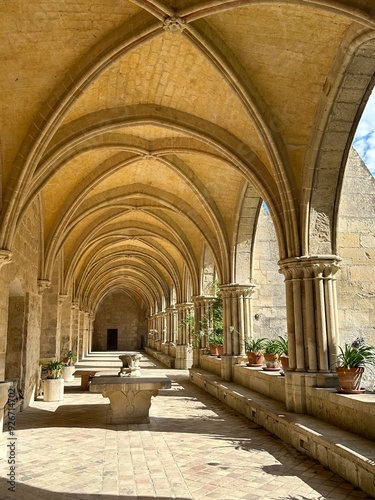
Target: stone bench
{"points": [[85, 375], [130, 397]]}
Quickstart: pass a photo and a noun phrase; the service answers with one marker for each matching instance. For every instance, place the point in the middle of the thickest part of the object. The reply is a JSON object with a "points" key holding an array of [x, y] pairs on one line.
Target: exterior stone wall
{"points": [[356, 246], [119, 312], [268, 303]]}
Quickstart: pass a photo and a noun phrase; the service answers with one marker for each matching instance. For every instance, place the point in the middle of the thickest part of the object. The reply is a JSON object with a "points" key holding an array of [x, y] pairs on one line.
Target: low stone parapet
{"points": [[351, 457], [165, 359]]}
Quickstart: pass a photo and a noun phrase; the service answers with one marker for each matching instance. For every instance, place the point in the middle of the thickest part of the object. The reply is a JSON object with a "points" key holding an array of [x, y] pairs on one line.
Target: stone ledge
{"points": [[165, 359], [348, 455]]}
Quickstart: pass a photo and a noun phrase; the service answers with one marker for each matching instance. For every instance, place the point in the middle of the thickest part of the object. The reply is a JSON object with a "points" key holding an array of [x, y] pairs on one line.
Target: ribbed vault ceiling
{"points": [[141, 139]]}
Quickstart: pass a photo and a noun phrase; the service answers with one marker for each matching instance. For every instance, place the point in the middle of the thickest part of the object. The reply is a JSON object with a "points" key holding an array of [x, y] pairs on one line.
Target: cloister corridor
{"points": [[194, 447]]}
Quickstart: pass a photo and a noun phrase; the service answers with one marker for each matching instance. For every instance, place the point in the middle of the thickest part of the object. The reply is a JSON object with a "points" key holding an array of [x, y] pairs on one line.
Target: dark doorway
{"points": [[112, 339]]}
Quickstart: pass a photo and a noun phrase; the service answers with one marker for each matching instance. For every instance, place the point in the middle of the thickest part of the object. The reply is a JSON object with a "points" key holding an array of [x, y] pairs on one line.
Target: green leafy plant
{"points": [[54, 369], [357, 354], [69, 358], [272, 346], [212, 321], [189, 322], [282, 342], [255, 345], [216, 338]]}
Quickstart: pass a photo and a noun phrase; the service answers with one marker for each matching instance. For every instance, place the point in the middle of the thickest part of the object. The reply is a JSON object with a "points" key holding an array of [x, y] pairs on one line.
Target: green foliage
{"points": [[189, 322], [216, 338], [255, 345], [272, 346], [283, 346], [54, 369], [356, 354], [212, 322], [69, 358]]}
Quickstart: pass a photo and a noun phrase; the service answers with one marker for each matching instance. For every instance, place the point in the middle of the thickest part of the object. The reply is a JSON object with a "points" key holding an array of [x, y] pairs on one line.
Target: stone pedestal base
{"points": [[68, 372], [53, 389], [130, 398]]}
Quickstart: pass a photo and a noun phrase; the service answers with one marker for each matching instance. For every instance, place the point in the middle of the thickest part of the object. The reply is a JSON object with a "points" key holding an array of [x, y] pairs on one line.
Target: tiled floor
{"points": [[193, 448]]}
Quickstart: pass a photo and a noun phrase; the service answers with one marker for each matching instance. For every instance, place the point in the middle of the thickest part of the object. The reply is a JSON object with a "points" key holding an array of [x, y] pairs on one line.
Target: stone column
{"points": [[91, 331], [312, 324], [74, 326], [184, 351], [236, 317], [236, 325], [85, 336], [64, 346], [170, 325]]}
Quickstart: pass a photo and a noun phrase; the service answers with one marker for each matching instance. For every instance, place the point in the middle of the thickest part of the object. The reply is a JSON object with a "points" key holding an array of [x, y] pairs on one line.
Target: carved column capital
{"points": [[43, 285], [236, 290], [62, 298], [309, 266]]}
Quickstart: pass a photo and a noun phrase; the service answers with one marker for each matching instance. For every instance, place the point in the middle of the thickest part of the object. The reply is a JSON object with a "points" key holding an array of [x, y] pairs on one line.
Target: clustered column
{"points": [[184, 328], [171, 325], [237, 317], [311, 312]]}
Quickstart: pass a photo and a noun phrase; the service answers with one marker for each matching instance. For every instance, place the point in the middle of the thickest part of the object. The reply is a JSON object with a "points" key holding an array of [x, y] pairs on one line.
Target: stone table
{"points": [[130, 397]]}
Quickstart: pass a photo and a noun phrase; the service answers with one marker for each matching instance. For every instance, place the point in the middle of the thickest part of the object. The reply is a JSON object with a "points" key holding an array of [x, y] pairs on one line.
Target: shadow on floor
{"points": [[30, 493]]}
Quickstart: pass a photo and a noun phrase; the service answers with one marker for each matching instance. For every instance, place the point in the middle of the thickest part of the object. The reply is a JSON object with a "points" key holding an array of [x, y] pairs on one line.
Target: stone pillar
{"points": [[170, 325], [312, 323], [81, 330], [59, 331], [74, 325], [236, 325], [184, 350], [236, 317], [91, 331], [86, 332]]}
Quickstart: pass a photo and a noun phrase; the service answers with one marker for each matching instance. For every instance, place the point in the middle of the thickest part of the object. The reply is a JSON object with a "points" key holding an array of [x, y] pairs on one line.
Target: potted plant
{"points": [[254, 351], [352, 360], [53, 385], [283, 352], [69, 368], [212, 326], [70, 358], [216, 344], [272, 355]]}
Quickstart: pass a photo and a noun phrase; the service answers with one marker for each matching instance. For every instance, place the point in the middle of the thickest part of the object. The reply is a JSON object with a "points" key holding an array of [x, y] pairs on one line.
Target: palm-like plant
{"points": [[54, 369], [255, 345], [355, 355], [282, 342]]}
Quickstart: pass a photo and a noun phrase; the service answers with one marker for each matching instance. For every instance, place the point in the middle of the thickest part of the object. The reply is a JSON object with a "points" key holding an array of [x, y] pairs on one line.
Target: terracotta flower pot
{"points": [[214, 349], [350, 379], [255, 358], [272, 362], [285, 362]]}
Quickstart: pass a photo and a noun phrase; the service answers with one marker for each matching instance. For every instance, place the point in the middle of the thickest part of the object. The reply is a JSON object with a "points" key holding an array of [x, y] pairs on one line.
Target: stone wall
{"points": [[120, 312], [268, 303], [24, 270], [356, 246]]}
